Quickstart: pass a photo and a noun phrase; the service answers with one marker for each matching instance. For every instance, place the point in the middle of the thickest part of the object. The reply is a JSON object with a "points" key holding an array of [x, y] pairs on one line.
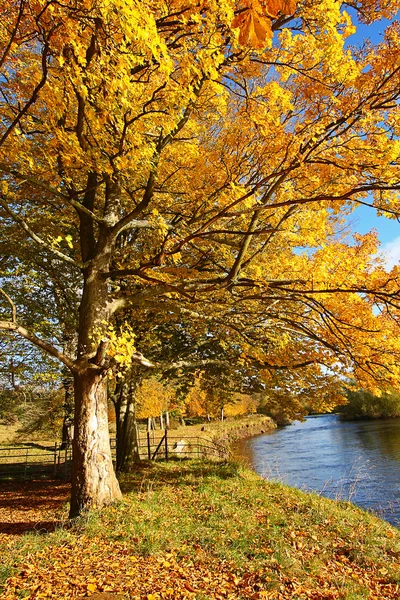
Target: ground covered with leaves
{"points": [[199, 531]]}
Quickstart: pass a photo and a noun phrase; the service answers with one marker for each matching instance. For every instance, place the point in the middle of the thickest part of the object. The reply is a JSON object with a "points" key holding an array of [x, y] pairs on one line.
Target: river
{"points": [[356, 461]]}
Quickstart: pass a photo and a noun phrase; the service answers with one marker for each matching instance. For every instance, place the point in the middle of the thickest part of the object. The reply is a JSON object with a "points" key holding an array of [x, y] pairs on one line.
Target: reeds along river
{"points": [[356, 461]]}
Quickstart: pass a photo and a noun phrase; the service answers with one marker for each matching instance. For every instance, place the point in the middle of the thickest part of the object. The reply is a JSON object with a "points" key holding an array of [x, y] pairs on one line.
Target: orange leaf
{"points": [[284, 7], [240, 19], [254, 22], [254, 29]]}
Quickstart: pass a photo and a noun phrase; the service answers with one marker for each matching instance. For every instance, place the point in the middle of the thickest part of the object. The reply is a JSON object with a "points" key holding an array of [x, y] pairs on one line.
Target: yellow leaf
{"points": [[91, 587], [390, 534]]}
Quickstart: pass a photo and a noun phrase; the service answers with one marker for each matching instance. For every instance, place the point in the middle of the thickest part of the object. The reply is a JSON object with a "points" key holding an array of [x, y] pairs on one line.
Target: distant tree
{"points": [[362, 404]]}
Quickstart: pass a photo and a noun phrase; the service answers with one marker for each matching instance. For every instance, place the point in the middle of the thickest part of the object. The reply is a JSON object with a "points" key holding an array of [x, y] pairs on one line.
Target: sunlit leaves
{"points": [[254, 20], [228, 174]]}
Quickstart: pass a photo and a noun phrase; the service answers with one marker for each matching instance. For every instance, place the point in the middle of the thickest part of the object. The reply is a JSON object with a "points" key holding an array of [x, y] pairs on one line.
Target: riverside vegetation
{"points": [[198, 530], [362, 404]]}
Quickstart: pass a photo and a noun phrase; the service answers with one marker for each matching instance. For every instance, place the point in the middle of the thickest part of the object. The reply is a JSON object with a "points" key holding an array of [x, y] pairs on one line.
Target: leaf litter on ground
{"points": [[199, 531]]}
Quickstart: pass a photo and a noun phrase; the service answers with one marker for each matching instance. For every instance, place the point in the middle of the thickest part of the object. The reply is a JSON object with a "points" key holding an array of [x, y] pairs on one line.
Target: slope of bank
{"points": [[205, 530], [229, 430]]}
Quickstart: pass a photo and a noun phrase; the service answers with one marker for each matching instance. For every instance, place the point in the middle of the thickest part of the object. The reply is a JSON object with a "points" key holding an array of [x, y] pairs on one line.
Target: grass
{"points": [[208, 430], [196, 529], [10, 434]]}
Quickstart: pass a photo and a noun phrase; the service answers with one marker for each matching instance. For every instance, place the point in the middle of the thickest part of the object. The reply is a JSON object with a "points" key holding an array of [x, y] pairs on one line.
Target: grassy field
{"points": [[9, 434], [224, 431], [198, 530], [229, 429]]}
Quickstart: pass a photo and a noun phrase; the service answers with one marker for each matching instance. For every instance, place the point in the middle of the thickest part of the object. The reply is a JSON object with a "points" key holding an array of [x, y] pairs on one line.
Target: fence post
{"points": [[55, 459], [148, 445], [138, 440], [166, 445], [59, 460], [26, 462], [66, 462]]}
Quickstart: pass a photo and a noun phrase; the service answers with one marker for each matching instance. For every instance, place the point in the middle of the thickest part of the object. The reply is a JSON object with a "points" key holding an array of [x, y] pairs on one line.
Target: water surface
{"points": [[357, 461]]}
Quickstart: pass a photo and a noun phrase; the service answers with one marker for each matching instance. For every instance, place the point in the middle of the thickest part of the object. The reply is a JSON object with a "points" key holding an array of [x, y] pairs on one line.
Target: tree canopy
{"points": [[198, 160]]}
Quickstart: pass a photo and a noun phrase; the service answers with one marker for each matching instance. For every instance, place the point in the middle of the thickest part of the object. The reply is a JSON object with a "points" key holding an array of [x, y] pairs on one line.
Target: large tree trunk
{"points": [[127, 439], [94, 483]]}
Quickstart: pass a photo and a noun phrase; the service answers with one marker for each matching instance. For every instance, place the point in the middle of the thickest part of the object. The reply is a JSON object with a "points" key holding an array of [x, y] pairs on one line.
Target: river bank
{"points": [[198, 530], [352, 460], [229, 430]]}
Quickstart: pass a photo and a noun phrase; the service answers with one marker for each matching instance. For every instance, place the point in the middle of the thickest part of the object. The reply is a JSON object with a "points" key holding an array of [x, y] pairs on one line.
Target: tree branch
{"points": [[33, 97], [46, 346], [13, 307], [35, 237]]}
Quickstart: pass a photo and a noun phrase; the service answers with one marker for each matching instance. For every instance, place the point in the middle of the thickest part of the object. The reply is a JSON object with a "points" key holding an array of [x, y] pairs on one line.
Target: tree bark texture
{"points": [[94, 483], [127, 439]]}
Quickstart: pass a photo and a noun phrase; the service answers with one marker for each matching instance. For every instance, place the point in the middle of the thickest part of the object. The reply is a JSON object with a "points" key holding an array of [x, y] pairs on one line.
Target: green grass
{"points": [[224, 514]]}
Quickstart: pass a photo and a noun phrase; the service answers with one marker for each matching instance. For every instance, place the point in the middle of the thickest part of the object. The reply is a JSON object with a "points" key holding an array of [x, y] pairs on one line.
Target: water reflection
{"points": [[357, 461]]}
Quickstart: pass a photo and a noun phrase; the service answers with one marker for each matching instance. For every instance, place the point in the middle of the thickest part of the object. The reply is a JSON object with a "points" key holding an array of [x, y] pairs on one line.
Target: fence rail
{"points": [[33, 460], [27, 461], [153, 447]]}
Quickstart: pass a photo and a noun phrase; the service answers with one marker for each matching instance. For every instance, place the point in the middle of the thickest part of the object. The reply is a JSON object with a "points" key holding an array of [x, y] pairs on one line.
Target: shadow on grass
{"points": [[20, 528], [28, 495], [30, 506], [177, 472]]}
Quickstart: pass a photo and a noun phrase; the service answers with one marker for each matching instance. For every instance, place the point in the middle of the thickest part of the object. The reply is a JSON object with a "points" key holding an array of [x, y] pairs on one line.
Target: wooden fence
{"points": [[28, 461], [167, 446], [31, 460]]}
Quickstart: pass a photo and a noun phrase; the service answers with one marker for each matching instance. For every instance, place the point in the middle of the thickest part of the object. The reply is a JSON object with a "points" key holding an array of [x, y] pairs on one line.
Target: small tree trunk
{"points": [[68, 406], [127, 435], [167, 425], [161, 421], [94, 483]]}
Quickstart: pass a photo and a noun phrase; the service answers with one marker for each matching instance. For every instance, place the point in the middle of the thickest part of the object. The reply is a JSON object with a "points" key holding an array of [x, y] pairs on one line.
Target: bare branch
{"points": [[46, 346], [13, 307]]}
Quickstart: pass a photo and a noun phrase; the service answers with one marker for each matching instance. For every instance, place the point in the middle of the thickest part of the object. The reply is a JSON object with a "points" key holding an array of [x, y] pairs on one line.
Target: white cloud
{"points": [[391, 253]]}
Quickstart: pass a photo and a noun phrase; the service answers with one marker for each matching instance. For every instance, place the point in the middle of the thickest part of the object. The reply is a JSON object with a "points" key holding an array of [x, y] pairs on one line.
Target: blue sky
{"points": [[364, 219]]}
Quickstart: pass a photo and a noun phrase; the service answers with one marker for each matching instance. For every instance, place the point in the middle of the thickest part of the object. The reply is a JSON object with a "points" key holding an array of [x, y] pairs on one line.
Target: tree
{"points": [[197, 159], [362, 404]]}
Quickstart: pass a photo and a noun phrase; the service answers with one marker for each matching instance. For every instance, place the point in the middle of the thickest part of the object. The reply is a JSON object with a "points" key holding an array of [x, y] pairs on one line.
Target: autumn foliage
{"points": [[254, 20], [198, 161], [193, 530]]}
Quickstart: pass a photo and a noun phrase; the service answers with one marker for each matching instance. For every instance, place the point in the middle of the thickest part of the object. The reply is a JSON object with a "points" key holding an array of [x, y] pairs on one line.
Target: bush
{"points": [[365, 405]]}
